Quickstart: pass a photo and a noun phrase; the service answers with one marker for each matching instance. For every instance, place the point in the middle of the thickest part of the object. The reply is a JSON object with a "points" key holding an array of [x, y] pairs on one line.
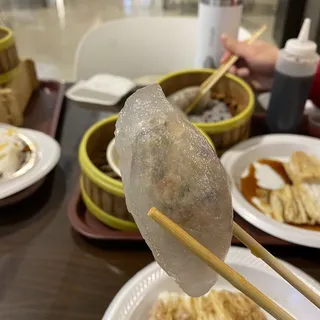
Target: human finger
{"points": [[243, 72], [225, 57], [236, 47]]}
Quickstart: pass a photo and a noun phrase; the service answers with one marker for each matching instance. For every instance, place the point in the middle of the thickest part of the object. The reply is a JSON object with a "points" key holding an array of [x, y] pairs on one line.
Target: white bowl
{"points": [[113, 157]]}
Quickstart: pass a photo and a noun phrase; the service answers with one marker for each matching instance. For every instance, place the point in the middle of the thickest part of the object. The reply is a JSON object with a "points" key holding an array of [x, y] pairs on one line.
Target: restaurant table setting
{"points": [[74, 227], [123, 252]]}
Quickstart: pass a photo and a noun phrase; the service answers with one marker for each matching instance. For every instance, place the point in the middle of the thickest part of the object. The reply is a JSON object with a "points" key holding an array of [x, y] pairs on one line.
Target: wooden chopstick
{"points": [[259, 251], [220, 72], [232, 59], [219, 266]]}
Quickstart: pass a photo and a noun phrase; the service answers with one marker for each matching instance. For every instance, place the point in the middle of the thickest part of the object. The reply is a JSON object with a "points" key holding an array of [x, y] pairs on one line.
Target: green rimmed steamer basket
{"points": [[9, 59], [232, 90], [101, 190]]}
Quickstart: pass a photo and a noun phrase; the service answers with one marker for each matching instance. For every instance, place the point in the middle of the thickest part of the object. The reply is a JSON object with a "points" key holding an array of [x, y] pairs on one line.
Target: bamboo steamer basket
{"points": [[9, 59], [101, 189], [16, 93], [231, 89]]}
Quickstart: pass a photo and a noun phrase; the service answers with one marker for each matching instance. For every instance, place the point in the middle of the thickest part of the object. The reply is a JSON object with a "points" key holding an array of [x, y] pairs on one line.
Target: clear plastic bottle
{"points": [[215, 17], [295, 68]]}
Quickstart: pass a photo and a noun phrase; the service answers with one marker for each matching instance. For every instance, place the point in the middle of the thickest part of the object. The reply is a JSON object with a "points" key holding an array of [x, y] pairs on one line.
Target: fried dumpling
{"points": [[216, 305], [303, 168]]}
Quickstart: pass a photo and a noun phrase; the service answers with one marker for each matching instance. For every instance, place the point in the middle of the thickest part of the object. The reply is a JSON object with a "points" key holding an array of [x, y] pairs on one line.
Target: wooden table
{"points": [[48, 271]]}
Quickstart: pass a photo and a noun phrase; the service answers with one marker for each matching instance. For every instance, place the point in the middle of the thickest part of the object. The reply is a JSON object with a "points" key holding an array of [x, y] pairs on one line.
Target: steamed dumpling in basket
{"points": [[167, 163]]}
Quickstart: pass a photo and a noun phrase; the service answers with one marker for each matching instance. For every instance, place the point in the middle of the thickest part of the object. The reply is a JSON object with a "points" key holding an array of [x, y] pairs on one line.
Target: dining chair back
{"points": [[137, 47]]}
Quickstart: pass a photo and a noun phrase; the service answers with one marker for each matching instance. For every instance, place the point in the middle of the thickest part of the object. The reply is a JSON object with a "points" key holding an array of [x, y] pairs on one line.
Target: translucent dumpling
{"points": [[167, 163]]}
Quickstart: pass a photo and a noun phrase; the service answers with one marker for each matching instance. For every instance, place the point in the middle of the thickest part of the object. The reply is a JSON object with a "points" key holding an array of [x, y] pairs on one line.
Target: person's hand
{"points": [[256, 63]]}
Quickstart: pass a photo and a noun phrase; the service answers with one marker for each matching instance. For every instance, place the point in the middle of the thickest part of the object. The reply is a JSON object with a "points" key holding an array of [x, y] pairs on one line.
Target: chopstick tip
{"points": [[152, 212]]}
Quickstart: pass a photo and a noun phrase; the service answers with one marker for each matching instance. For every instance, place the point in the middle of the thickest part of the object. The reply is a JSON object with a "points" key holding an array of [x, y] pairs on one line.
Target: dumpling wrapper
{"points": [[167, 163]]}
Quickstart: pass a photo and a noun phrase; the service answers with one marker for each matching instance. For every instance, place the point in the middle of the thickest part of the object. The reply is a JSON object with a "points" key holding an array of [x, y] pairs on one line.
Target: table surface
{"points": [[48, 271]]}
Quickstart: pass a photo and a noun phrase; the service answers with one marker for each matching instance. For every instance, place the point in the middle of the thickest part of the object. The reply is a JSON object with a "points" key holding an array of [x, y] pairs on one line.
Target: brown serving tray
{"points": [[44, 108], [86, 224], [42, 113]]}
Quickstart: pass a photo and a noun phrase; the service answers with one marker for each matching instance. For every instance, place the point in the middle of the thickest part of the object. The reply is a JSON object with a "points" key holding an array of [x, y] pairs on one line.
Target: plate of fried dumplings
{"points": [[276, 185], [152, 295]]}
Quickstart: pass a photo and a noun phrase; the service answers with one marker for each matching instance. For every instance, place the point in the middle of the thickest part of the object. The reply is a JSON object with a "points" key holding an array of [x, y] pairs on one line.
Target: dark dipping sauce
{"points": [[249, 185]]}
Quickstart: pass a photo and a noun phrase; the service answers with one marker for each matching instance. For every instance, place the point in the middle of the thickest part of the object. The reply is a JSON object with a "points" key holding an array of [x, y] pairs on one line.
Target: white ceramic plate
{"points": [[48, 155], [135, 299], [101, 89], [279, 146]]}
